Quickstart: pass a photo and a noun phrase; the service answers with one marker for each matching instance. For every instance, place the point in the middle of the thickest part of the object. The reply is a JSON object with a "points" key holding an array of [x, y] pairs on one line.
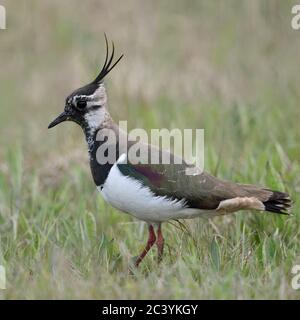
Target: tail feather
{"points": [[257, 198], [253, 197], [278, 202]]}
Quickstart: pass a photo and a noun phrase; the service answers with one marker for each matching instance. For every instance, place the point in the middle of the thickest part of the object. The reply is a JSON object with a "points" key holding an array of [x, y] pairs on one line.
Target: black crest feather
{"points": [[108, 64]]}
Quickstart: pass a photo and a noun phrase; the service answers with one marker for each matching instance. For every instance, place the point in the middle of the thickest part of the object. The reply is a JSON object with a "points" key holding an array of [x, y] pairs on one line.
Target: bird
{"points": [[154, 192]]}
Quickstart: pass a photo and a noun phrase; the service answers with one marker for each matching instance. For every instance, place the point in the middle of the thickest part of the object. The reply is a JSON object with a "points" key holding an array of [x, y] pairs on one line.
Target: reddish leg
{"points": [[150, 243], [160, 243]]}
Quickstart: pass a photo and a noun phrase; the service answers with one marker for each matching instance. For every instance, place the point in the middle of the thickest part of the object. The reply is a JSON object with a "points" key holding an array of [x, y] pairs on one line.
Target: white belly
{"points": [[131, 196]]}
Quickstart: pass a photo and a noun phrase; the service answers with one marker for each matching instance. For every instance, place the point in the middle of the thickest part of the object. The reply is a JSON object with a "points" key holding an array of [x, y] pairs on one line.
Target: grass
{"points": [[230, 69]]}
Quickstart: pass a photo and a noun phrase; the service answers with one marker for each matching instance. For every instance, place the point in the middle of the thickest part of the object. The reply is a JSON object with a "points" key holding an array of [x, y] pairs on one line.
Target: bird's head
{"points": [[87, 105]]}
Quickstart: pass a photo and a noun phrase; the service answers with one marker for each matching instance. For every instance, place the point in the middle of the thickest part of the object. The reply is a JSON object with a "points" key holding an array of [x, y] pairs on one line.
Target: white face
{"points": [[94, 107], [98, 98], [95, 117]]}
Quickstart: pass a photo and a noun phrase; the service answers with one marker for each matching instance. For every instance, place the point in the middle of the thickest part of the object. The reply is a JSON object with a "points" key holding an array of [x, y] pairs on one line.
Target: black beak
{"points": [[61, 118]]}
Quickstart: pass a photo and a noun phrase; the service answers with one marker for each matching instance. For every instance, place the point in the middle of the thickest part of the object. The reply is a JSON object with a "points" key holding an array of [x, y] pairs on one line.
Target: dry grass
{"points": [[228, 67]]}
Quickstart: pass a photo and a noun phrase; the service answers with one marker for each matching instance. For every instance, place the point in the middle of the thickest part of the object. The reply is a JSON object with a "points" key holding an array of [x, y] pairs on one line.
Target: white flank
{"points": [[131, 196]]}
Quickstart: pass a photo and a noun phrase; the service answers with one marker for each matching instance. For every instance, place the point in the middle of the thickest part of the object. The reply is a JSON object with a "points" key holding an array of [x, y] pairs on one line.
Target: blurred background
{"points": [[230, 67], [192, 64]]}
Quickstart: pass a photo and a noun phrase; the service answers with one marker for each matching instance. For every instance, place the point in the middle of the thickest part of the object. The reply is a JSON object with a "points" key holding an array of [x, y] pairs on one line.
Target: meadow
{"points": [[229, 67]]}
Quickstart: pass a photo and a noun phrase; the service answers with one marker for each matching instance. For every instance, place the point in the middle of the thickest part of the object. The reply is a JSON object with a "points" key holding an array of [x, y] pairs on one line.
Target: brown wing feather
{"points": [[203, 191]]}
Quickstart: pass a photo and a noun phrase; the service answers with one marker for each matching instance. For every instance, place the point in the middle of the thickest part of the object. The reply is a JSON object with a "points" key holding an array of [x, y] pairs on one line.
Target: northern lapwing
{"points": [[155, 193]]}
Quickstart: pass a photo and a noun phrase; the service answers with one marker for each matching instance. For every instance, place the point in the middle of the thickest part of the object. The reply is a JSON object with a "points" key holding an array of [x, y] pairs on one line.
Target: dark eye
{"points": [[81, 104]]}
